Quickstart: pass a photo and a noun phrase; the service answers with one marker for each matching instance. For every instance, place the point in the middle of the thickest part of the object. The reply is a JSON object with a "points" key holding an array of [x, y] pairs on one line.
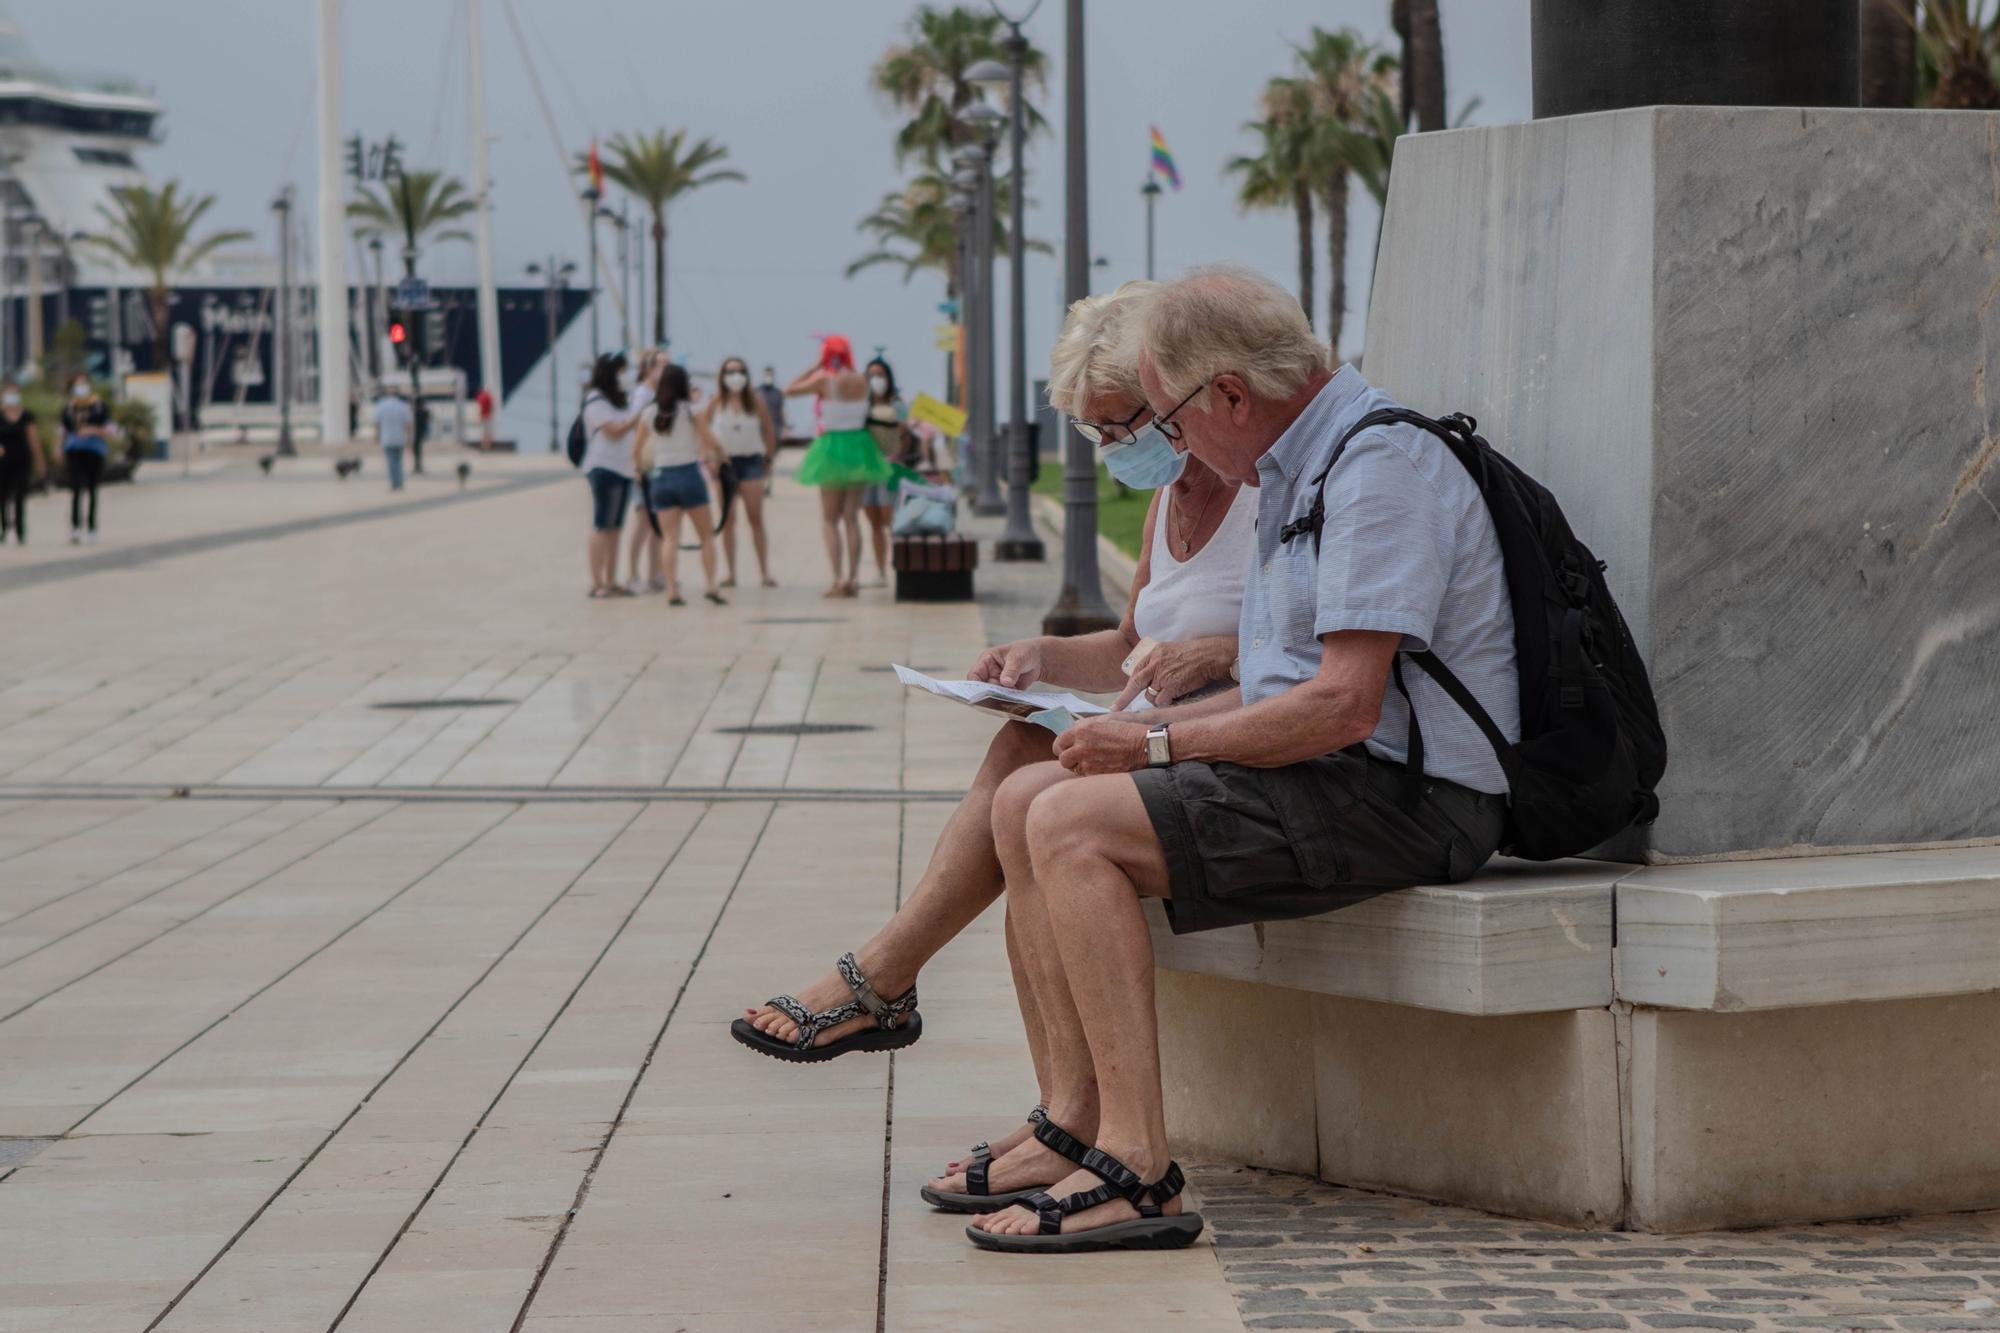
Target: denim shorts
{"points": [[609, 494], [747, 467], [680, 487]]}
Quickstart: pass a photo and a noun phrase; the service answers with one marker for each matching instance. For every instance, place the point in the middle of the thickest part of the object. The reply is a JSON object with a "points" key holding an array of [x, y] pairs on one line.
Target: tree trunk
{"points": [[162, 298], [1399, 19], [1888, 53], [1423, 70], [660, 277], [1302, 204], [1336, 257]]}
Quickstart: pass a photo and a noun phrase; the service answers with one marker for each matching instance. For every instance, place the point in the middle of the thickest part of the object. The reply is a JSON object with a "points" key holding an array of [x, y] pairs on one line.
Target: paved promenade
{"points": [[372, 906]]}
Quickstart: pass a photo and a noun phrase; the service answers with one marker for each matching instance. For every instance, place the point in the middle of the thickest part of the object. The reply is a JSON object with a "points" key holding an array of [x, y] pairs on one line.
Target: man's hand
{"points": [[1101, 745], [1016, 666], [1171, 670]]}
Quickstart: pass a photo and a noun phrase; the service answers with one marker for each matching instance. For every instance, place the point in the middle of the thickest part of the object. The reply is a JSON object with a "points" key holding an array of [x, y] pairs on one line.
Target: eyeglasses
{"points": [[1166, 425], [1110, 432]]}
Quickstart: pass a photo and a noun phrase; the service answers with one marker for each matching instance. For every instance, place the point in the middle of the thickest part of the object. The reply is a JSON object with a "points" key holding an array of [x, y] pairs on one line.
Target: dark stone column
{"points": [[1598, 55]]}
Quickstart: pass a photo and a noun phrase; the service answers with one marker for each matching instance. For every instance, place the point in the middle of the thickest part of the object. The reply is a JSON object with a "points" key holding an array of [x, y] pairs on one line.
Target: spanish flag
{"points": [[1163, 161], [597, 167]]}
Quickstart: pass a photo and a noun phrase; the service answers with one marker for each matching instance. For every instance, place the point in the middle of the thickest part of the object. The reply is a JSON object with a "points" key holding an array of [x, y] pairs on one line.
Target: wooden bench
{"points": [[935, 568], [1658, 1048]]}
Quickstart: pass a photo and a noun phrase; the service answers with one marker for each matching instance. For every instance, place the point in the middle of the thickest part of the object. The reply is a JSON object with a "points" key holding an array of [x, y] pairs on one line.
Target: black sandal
{"points": [[1150, 1230], [886, 1035], [978, 1196]]}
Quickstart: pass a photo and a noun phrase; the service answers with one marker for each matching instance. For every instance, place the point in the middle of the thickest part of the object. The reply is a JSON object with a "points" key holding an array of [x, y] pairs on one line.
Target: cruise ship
{"points": [[69, 141]]}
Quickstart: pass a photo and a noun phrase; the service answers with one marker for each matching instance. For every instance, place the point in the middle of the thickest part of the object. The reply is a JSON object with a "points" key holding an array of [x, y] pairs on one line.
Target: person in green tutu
{"points": [[844, 461]]}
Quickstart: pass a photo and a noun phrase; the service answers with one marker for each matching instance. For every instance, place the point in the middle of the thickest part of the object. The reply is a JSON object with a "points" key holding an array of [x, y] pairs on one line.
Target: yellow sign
{"points": [[947, 337], [942, 415]]}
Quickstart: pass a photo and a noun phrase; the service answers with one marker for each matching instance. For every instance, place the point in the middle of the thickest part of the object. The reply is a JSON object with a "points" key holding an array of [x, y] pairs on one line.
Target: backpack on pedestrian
{"points": [[1591, 751], [579, 437]]}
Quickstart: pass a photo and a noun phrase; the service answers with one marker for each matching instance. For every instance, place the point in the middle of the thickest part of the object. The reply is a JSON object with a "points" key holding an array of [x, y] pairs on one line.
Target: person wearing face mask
{"points": [[611, 408], [644, 548], [86, 427], [680, 444], [21, 463], [741, 425], [774, 401], [844, 460], [887, 418]]}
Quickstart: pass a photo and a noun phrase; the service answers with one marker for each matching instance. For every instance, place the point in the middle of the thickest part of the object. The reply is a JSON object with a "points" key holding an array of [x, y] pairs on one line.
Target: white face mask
{"points": [[734, 381], [878, 383], [80, 391], [10, 399]]}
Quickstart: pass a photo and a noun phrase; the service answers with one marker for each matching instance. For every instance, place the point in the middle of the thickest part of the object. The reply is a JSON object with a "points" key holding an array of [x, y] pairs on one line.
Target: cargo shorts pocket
{"points": [[1311, 829]]}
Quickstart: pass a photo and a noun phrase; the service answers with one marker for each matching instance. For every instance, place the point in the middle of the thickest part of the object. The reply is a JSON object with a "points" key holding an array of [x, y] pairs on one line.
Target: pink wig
{"points": [[835, 353]]}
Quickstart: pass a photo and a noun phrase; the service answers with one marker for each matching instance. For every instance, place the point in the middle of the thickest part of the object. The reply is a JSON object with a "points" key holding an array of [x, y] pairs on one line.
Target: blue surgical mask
{"points": [[1146, 464]]}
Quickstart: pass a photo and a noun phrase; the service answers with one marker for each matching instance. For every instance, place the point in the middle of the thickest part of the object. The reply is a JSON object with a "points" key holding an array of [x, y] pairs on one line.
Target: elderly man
{"points": [[1290, 799]]}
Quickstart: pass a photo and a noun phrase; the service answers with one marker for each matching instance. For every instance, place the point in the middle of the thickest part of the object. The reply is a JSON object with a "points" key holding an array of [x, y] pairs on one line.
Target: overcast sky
{"points": [[754, 269]]}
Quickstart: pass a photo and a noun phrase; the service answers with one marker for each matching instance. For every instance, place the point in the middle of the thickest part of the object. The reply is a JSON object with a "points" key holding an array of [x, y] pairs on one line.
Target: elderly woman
{"points": [[1183, 610]]}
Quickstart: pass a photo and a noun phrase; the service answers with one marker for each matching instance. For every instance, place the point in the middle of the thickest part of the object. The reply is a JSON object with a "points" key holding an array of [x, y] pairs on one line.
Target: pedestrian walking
{"points": [[483, 402], [887, 422], [611, 408], [681, 444], [643, 550], [844, 460], [742, 426], [86, 427], [394, 425], [21, 463], [774, 401]]}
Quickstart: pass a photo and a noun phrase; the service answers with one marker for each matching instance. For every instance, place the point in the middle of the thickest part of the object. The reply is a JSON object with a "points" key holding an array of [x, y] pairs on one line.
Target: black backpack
{"points": [[579, 438], [1591, 749]]}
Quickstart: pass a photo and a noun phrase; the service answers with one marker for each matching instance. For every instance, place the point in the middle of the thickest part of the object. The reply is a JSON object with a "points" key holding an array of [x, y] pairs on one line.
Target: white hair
{"points": [[1097, 352], [1226, 318]]}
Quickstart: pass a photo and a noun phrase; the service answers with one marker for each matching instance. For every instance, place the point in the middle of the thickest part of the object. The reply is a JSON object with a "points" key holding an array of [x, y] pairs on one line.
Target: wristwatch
{"points": [[1158, 755]]}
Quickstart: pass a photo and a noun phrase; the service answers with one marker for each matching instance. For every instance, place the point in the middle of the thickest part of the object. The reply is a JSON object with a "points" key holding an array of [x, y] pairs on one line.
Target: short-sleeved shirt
{"points": [[393, 422], [93, 413], [601, 450], [1408, 547]]}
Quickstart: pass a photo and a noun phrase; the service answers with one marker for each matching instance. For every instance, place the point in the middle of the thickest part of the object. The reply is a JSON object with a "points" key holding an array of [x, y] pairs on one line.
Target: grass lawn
{"points": [[1122, 518]]}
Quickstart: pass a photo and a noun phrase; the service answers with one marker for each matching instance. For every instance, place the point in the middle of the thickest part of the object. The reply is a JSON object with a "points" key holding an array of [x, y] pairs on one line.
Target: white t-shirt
{"points": [[601, 450]]}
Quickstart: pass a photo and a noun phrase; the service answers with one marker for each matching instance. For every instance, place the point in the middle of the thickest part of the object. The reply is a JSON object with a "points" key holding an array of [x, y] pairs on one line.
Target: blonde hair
{"points": [[1097, 353], [1225, 318]]}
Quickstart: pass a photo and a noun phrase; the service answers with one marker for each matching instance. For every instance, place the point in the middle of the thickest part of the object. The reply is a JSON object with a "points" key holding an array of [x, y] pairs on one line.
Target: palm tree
{"points": [[1956, 44], [658, 168], [1339, 69], [925, 77], [1422, 33], [1280, 174], [919, 217], [1888, 53], [1368, 147], [152, 231], [419, 206]]}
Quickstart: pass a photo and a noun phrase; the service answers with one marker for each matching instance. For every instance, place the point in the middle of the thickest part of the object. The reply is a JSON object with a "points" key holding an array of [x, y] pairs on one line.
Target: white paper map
{"points": [[1024, 705]]}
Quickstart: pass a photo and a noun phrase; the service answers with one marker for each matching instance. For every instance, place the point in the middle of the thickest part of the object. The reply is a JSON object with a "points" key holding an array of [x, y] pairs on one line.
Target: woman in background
{"points": [[21, 464], [610, 414], [886, 418], [741, 425], [644, 547], [844, 460], [680, 444], [86, 434]]}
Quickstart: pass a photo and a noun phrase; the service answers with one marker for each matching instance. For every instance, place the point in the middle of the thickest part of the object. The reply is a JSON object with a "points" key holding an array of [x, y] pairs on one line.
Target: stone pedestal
{"points": [[1749, 350]]}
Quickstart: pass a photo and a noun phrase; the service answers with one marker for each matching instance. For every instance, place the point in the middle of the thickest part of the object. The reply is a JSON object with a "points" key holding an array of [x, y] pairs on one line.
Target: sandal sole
{"points": [[946, 1202], [871, 1039], [1140, 1233]]}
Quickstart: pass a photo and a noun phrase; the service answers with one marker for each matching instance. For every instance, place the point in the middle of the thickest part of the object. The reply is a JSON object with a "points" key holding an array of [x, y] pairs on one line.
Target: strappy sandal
{"points": [[978, 1197], [1150, 1230], [983, 1151], [886, 1035]]}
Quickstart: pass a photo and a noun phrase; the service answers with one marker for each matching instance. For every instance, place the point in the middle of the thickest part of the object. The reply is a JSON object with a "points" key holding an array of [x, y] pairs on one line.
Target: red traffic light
{"points": [[397, 333]]}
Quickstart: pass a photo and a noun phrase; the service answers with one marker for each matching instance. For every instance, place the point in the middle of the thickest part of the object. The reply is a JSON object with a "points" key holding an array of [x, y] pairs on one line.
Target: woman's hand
{"points": [[1101, 745], [1015, 666], [1174, 670]]}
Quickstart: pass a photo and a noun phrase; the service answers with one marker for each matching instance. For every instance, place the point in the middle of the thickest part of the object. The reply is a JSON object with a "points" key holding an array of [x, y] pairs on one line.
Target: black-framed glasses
{"points": [[1166, 425], [1110, 432]]}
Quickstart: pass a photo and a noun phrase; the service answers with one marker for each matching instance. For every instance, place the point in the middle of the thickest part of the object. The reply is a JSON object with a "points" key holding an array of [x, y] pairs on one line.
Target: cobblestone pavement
{"points": [[1301, 1254]]}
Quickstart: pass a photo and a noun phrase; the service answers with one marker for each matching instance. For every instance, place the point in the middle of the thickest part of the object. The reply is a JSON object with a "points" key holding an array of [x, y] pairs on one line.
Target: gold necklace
{"points": [[1207, 500]]}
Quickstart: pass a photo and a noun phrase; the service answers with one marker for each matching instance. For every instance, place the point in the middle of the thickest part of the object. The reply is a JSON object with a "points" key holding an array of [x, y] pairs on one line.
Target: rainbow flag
{"points": [[596, 168], [1163, 161]]}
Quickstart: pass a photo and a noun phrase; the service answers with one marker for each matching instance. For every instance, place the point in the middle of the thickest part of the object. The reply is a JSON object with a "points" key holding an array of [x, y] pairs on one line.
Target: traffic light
{"points": [[397, 333]]}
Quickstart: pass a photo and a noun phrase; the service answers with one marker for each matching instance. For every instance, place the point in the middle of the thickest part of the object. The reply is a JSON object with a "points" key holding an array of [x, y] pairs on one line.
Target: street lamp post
{"points": [[984, 121], [962, 202], [1151, 189], [1080, 607], [970, 180], [378, 311], [281, 352], [552, 278], [591, 194], [1018, 541]]}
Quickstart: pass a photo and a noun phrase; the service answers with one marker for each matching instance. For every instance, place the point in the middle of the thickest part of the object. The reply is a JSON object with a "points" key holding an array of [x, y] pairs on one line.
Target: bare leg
{"points": [[1093, 855], [851, 519], [729, 542], [878, 536], [704, 531], [832, 500], [670, 551], [752, 495]]}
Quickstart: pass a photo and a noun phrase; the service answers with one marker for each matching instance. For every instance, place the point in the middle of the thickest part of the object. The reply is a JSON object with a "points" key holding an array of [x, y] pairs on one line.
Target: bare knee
{"points": [[1014, 799], [1056, 830]]}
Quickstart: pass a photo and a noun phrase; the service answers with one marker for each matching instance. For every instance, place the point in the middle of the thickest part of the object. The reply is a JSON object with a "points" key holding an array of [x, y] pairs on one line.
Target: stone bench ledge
{"points": [[1520, 938], [1777, 934]]}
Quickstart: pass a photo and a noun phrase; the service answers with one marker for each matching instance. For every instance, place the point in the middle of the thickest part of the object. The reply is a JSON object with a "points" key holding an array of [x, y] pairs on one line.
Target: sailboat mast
{"points": [[490, 376], [332, 302]]}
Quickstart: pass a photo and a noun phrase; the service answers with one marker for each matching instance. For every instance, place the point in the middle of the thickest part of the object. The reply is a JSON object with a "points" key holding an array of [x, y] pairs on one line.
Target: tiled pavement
{"points": [[410, 1018]]}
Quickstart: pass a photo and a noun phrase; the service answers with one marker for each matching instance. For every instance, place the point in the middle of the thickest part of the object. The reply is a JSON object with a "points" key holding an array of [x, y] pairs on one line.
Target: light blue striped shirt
{"points": [[1408, 547]]}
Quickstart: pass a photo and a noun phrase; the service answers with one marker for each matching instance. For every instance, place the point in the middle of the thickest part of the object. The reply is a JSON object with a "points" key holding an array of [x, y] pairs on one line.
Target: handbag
{"points": [[924, 510]]}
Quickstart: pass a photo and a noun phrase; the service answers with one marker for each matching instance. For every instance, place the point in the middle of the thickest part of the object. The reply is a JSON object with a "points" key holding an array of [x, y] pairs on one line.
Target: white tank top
{"points": [[677, 446], [1202, 595], [842, 414], [738, 432]]}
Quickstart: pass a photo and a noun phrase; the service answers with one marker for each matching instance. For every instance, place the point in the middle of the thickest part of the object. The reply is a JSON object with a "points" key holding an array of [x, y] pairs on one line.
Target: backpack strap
{"points": [[1454, 430], [1435, 668]]}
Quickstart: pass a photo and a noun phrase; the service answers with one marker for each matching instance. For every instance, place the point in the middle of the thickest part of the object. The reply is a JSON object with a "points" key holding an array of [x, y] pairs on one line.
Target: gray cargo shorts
{"points": [[1265, 844]]}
